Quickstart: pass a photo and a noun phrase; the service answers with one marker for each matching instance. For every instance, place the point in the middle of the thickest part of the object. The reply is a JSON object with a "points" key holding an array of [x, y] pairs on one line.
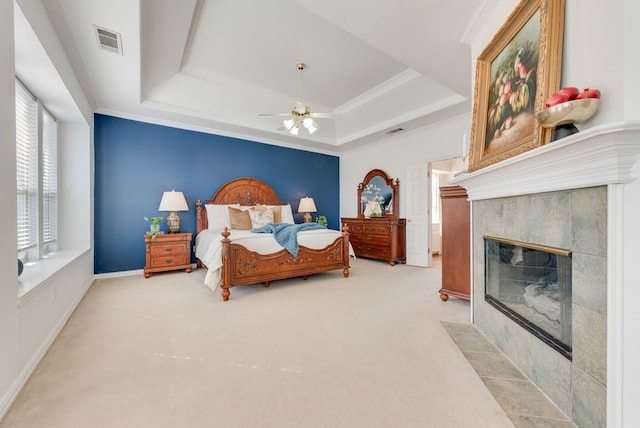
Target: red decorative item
{"points": [[556, 98], [572, 91], [589, 93]]}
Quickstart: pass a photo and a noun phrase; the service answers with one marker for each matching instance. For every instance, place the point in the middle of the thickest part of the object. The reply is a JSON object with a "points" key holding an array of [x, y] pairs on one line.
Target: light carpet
{"points": [[366, 351]]}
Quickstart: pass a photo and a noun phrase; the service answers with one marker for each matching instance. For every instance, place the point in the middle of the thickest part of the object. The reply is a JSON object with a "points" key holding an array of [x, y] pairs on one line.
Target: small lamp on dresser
{"points": [[307, 206], [173, 202]]}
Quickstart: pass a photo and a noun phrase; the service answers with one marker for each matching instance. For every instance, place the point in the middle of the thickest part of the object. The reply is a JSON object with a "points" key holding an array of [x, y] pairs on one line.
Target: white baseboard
{"points": [[125, 273]]}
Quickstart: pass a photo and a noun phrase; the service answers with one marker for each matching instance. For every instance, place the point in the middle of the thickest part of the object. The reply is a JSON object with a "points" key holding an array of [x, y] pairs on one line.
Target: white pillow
{"points": [[218, 216], [286, 215]]}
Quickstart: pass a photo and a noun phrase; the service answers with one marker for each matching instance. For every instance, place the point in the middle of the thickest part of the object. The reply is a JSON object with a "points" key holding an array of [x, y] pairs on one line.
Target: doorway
{"points": [[440, 174], [423, 210]]}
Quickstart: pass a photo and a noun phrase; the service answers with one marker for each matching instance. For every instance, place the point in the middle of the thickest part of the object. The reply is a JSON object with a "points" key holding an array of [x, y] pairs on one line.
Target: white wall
{"points": [[393, 155], [631, 60], [9, 365], [28, 325]]}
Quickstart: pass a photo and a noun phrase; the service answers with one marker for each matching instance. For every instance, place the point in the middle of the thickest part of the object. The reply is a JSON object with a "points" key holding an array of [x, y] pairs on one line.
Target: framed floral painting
{"points": [[515, 74]]}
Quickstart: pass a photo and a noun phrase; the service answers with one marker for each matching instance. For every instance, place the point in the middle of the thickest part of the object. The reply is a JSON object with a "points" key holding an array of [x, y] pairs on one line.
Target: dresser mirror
{"points": [[378, 195]]}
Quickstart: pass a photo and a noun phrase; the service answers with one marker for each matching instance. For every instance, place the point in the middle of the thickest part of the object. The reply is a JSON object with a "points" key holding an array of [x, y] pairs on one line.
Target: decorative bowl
{"points": [[574, 111]]}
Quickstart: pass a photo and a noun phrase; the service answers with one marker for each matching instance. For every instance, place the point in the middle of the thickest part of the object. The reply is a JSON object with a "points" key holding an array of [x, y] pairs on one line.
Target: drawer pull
{"points": [[168, 261], [168, 249]]}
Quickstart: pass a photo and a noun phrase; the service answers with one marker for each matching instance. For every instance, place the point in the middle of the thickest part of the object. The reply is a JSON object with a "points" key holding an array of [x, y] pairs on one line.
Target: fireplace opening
{"points": [[531, 284]]}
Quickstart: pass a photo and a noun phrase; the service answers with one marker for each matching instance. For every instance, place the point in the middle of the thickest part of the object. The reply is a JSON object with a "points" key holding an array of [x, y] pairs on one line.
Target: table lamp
{"points": [[173, 202], [307, 206]]}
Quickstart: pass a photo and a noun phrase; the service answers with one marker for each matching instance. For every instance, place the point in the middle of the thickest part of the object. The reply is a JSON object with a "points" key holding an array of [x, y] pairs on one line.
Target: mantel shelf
{"points": [[597, 156]]}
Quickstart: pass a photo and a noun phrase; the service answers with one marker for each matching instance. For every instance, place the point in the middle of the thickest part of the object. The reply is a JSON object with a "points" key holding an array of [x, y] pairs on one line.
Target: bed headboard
{"points": [[244, 191]]}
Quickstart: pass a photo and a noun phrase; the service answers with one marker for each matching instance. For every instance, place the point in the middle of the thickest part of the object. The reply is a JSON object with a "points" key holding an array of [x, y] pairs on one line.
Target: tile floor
{"points": [[524, 403]]}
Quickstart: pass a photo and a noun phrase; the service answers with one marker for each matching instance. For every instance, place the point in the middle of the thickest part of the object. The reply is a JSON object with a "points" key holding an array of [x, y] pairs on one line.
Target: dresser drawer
{"points": [[377, 229], [373, 251], [355, 228], [377, 239], [169, 248], [168, 260], [355, 238]]}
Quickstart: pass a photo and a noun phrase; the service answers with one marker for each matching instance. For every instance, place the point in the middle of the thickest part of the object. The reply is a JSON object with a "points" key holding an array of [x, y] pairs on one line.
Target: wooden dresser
{"points": [[165, 252], [378, 238], [456, 243]]}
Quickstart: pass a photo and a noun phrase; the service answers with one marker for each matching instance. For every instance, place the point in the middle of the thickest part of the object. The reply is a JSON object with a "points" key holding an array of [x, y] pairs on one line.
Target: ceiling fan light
{"points": [[310, 124], [288, 123], [294, 130]]}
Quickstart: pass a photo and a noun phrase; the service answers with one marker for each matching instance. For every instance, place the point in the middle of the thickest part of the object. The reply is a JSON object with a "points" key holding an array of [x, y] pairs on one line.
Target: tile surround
{"points": [[571, 219]]}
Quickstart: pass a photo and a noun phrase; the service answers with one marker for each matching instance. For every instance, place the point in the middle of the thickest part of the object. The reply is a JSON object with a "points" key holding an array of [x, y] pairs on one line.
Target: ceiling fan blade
{"points": [[275, 114], [325, 115]]}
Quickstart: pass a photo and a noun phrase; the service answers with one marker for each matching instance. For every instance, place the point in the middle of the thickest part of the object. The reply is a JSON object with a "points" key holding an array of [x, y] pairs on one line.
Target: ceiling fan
{"points": [[300, 116]]}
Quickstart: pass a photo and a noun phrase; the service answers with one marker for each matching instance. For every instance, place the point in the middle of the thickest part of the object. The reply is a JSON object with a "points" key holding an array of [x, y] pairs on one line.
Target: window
{"points": [[36, 176]]}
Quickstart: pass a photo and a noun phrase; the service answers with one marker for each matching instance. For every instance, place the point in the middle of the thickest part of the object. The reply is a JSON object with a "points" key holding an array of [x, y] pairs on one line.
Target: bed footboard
{"points": [[242, 267]]}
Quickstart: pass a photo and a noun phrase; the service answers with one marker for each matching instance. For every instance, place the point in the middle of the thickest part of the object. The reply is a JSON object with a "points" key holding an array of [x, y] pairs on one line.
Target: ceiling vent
{"points": [[393, 131], [109, 40]]}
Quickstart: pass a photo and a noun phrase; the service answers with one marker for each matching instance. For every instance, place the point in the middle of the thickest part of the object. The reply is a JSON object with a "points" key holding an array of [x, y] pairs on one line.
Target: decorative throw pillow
{"points": [[277, 211], [239, 219], [260, 217]]}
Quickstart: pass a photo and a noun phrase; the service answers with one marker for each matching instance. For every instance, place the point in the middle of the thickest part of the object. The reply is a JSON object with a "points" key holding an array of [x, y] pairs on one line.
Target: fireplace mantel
{"points": [[600, 155]]}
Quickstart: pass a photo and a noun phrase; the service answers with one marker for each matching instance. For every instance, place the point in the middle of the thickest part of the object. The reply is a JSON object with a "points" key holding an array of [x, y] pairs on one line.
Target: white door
{"points": [[418, 221]]}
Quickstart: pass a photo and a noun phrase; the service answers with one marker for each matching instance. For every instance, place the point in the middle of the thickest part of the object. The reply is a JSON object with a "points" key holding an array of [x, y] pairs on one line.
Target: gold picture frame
{"points": [[515, 74]]}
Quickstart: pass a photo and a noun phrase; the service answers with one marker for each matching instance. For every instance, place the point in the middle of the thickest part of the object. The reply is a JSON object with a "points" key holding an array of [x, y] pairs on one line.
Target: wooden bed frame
{"points": [[242, 267]]}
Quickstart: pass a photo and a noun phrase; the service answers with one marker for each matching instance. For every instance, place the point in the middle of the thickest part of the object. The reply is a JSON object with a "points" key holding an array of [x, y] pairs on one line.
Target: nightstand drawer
{"points": [[165, 252], [164, 249], [168, 260]]}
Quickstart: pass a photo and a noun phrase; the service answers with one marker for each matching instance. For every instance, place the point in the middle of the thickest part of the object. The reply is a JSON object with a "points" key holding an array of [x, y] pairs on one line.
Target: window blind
{"points": [[26, 167], [49, 178]]}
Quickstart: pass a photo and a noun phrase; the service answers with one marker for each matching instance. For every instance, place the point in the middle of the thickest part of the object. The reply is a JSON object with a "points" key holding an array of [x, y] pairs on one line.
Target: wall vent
{"points": [[109, 40], [393, 131]]}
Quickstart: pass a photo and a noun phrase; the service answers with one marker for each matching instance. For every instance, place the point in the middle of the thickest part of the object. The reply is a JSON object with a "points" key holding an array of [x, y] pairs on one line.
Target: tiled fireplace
{"points": [[561, 198], [576, 220]]}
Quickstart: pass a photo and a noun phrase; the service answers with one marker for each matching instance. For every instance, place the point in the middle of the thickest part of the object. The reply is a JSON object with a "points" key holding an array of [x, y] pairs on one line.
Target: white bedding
{"points": [[209, 247]]}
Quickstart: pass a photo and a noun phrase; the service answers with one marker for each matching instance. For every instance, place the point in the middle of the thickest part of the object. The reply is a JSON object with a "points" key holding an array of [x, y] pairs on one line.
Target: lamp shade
{"points": [[307, 205], [173, 201]]}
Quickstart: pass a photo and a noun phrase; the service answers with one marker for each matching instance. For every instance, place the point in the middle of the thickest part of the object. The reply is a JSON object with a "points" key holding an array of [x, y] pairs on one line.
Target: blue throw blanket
{"points": [[286, 234]]}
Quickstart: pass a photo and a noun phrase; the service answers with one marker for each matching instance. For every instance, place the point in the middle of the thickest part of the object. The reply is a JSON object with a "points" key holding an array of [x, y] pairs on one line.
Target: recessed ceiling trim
{"points": [[108, 40], [378, 91], [398, 121]]}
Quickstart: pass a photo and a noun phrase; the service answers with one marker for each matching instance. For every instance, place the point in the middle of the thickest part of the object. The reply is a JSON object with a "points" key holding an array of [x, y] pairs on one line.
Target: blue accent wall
{"points": [[135, 162]]}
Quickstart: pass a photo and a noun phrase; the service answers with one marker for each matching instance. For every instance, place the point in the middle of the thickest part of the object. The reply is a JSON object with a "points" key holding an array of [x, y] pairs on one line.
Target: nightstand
{"points": [[169, 251]]}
